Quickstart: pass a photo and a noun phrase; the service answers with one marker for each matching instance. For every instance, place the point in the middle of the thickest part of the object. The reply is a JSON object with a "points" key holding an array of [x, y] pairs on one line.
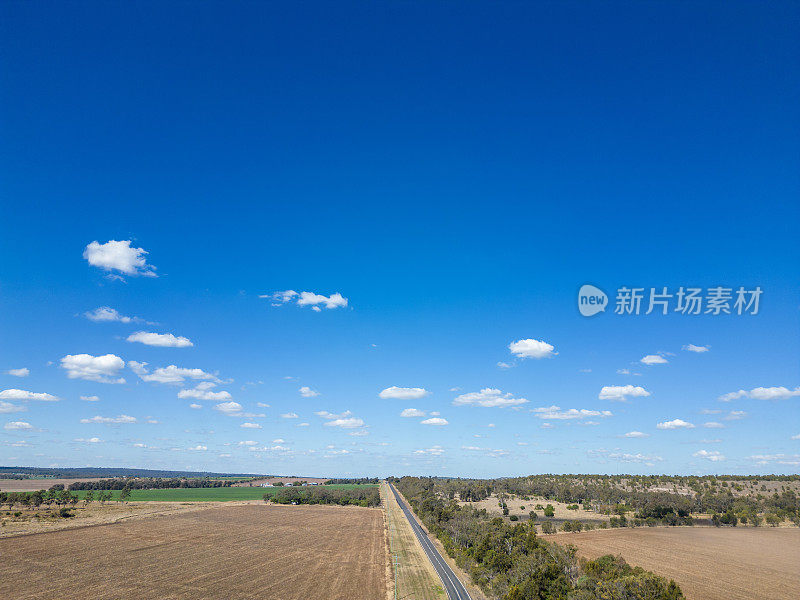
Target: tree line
{"points": [[150, 483], [510, 562], [361, 496]]}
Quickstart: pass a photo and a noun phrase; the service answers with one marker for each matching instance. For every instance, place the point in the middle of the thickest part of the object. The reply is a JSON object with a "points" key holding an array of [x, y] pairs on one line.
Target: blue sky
{"points": [[455, 173]]}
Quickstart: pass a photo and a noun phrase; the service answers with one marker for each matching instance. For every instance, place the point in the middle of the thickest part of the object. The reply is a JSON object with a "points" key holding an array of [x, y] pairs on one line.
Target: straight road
{"points": [[454, 588]]}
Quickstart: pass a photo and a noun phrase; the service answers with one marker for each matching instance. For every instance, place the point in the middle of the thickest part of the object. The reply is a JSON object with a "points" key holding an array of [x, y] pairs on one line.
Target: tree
{"points": [[125, 494], [88, 498]]}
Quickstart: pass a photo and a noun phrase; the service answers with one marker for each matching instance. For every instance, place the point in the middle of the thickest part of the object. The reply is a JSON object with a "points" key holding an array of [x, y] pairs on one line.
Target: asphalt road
{"points": [[454, 588]]}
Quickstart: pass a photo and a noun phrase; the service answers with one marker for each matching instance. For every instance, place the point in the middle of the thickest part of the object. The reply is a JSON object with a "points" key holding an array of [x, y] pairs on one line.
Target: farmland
{"points": [[708, 563], [223, 551]]}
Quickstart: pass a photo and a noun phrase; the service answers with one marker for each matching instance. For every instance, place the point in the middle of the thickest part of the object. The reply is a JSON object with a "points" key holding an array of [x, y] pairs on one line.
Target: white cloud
{"points": [[161, 340], [402, 393], [347, 423], [623, 371], [796, 437], [712, 455], [23, 372], [307, 392], [693, 348], [654, 359], [433, 451], [279, 441], [713, 425], [139, 445], [620, 393], [103, 369], [675, 424], [303, 424], [554, 412], [290, 415], [8, 407], [106, 313], [171, 374], [635, 458], [196, 406], [412, 412], [262, 405], [90, 398], [488, 398], [531, 348], [248, 443], [110, 420], [17, 426], [636, 434], [119, 256], [329, 415], [781, 459], [315, 301], [735, 415], [199, 448], [762, 393], [15, 394], [204, 394], [435, 421], [250, 426], [504, 365], [93, 440], [232, 409]]}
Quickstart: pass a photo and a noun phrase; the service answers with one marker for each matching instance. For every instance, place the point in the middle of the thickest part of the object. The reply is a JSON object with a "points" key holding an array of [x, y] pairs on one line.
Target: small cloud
{"points": [[15, 394], [698, 349], [675, 424], [110, 420], [18, 426], [796, 437], [161, 340], [530, 348], [120, 257], [346, 423], [401, 393], [636, 434], [23, 372], [307, 392], [654, 359], [315, 301], [412, 412], [196, 406], [90, 398], [8, 407], [435, 421], [232, 409], [290, 415], [762, 393], [548, 413], [103, 369], [711, 455], [713, 425], [199, 448], [93, 440], [584, 370], [735, 415], [279, 441], [303, 424], [504, 365], [199, 393], [250, 426], [262, 405], [433, 451], [620, 393], [488, 398], [623, 372], [108, 314]]}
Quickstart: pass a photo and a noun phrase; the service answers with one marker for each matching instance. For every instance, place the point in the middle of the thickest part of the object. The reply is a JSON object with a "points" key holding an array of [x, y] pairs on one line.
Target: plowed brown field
{"points": [[708, 563], [226, 552]]}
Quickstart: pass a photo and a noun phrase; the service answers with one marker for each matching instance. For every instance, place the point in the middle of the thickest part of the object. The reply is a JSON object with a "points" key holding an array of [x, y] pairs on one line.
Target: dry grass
{"points": [[562, 513], [31, 485], [708, 563], [41, 520], [243, 552], [414, 573]]}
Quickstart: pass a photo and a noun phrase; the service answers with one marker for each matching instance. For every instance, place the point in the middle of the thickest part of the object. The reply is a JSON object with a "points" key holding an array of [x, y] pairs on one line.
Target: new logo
{"points": [[591, 300]]}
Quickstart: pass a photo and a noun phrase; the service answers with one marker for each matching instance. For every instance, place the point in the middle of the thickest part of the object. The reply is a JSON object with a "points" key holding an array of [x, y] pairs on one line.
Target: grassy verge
{"points": [[414, 573]]}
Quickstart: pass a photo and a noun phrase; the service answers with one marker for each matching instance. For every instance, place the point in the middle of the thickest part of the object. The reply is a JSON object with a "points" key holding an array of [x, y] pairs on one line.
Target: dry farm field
{"points": [[219, 552], [31, 485], [708, 563]]}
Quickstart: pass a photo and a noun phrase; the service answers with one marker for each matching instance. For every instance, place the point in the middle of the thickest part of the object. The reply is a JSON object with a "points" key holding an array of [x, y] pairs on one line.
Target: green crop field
{"points": [[221, 494]]}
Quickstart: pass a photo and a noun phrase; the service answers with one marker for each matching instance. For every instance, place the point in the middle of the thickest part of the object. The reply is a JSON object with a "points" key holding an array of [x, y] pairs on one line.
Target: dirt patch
{"points": [[245, 551], [708, 563], [516, 504], [284, 480]]}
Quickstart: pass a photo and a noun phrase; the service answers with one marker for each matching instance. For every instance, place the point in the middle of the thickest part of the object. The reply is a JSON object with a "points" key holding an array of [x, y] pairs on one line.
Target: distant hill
{"points": [[89, 472]]}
